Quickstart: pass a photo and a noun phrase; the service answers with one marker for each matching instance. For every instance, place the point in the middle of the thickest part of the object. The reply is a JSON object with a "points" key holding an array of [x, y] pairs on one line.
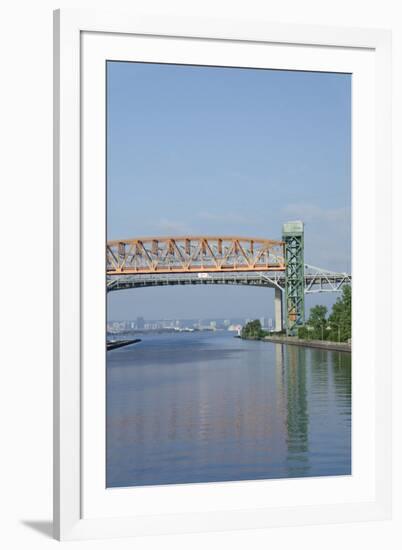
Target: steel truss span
{"points": [[169, 261], [201, 254], [315, 280]]}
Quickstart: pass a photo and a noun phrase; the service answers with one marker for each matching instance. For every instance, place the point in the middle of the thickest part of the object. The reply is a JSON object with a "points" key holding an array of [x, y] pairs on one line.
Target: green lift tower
{"points": [[293, 237]]}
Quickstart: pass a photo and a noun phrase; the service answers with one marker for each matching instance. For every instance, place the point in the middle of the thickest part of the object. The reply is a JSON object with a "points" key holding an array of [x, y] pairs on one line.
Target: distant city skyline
{"points": [[183, 325], [209, 150]]}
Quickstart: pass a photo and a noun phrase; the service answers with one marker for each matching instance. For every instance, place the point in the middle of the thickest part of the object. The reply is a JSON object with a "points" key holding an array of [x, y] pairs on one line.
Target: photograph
{"points": [[204, 354], [228, 274]]}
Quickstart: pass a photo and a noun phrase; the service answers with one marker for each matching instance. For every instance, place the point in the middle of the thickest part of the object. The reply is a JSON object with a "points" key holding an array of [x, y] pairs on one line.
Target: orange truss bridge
{"points": [[276, 264], [201, 254]]}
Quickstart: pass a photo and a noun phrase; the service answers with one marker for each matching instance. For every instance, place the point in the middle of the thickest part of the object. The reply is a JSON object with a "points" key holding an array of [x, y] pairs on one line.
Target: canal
{"points": [[205, 406]]}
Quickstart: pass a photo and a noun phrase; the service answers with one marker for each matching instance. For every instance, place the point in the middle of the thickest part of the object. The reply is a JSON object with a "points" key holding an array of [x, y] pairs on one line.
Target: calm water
{"points": [[194, 407]]}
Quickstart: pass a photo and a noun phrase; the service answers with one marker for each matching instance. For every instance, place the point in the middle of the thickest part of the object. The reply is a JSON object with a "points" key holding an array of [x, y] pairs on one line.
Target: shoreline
{"points": [[292, 341], [320, 344]]}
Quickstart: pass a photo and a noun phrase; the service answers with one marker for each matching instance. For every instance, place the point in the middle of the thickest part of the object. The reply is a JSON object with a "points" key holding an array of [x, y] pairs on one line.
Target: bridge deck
{"points": [[316, 280]]}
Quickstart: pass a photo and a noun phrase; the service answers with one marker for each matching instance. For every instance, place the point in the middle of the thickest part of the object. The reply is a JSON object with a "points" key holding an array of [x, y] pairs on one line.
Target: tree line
{"points": [[335, 327]]}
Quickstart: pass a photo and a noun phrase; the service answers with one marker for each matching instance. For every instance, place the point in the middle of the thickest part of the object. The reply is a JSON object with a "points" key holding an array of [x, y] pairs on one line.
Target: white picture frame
{"points": [[83, 508]]}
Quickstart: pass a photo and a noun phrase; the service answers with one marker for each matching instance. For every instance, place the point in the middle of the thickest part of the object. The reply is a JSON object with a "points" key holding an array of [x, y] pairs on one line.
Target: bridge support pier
{"points": [[278, 310]]}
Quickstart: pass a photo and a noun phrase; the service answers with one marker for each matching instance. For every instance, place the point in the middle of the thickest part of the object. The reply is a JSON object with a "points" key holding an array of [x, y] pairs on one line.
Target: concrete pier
{"points": [[278, 310], [120, 343]]}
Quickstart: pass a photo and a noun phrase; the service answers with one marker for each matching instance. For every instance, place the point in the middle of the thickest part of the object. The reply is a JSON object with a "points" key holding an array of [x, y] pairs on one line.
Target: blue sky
{"points": [[211, 150]]}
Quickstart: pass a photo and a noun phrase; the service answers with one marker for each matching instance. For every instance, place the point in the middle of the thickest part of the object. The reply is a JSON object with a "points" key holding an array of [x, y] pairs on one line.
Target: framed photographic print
{"points": [[222, 189]]}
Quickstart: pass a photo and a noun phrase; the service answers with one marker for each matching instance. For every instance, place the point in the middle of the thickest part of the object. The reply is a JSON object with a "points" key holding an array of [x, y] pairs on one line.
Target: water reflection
{"points": [[189, 408], [297, 413]]}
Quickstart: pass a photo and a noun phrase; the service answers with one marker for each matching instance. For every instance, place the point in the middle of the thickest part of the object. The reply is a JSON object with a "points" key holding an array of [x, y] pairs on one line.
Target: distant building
{"points": [[235, 328]]}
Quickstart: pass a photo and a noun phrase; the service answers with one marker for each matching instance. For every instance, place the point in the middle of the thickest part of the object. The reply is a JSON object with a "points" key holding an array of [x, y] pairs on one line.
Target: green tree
{"points": [[303, 333], [340, 320], [317, 323], [253, 330]]}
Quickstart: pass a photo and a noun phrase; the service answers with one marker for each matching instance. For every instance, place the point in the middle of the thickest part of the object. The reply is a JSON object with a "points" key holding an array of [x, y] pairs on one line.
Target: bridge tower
{"points": [[293, 237]]}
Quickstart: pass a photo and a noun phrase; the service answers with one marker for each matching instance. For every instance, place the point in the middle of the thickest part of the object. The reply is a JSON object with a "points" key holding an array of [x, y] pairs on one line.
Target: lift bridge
{"points": [[189, 260]]}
